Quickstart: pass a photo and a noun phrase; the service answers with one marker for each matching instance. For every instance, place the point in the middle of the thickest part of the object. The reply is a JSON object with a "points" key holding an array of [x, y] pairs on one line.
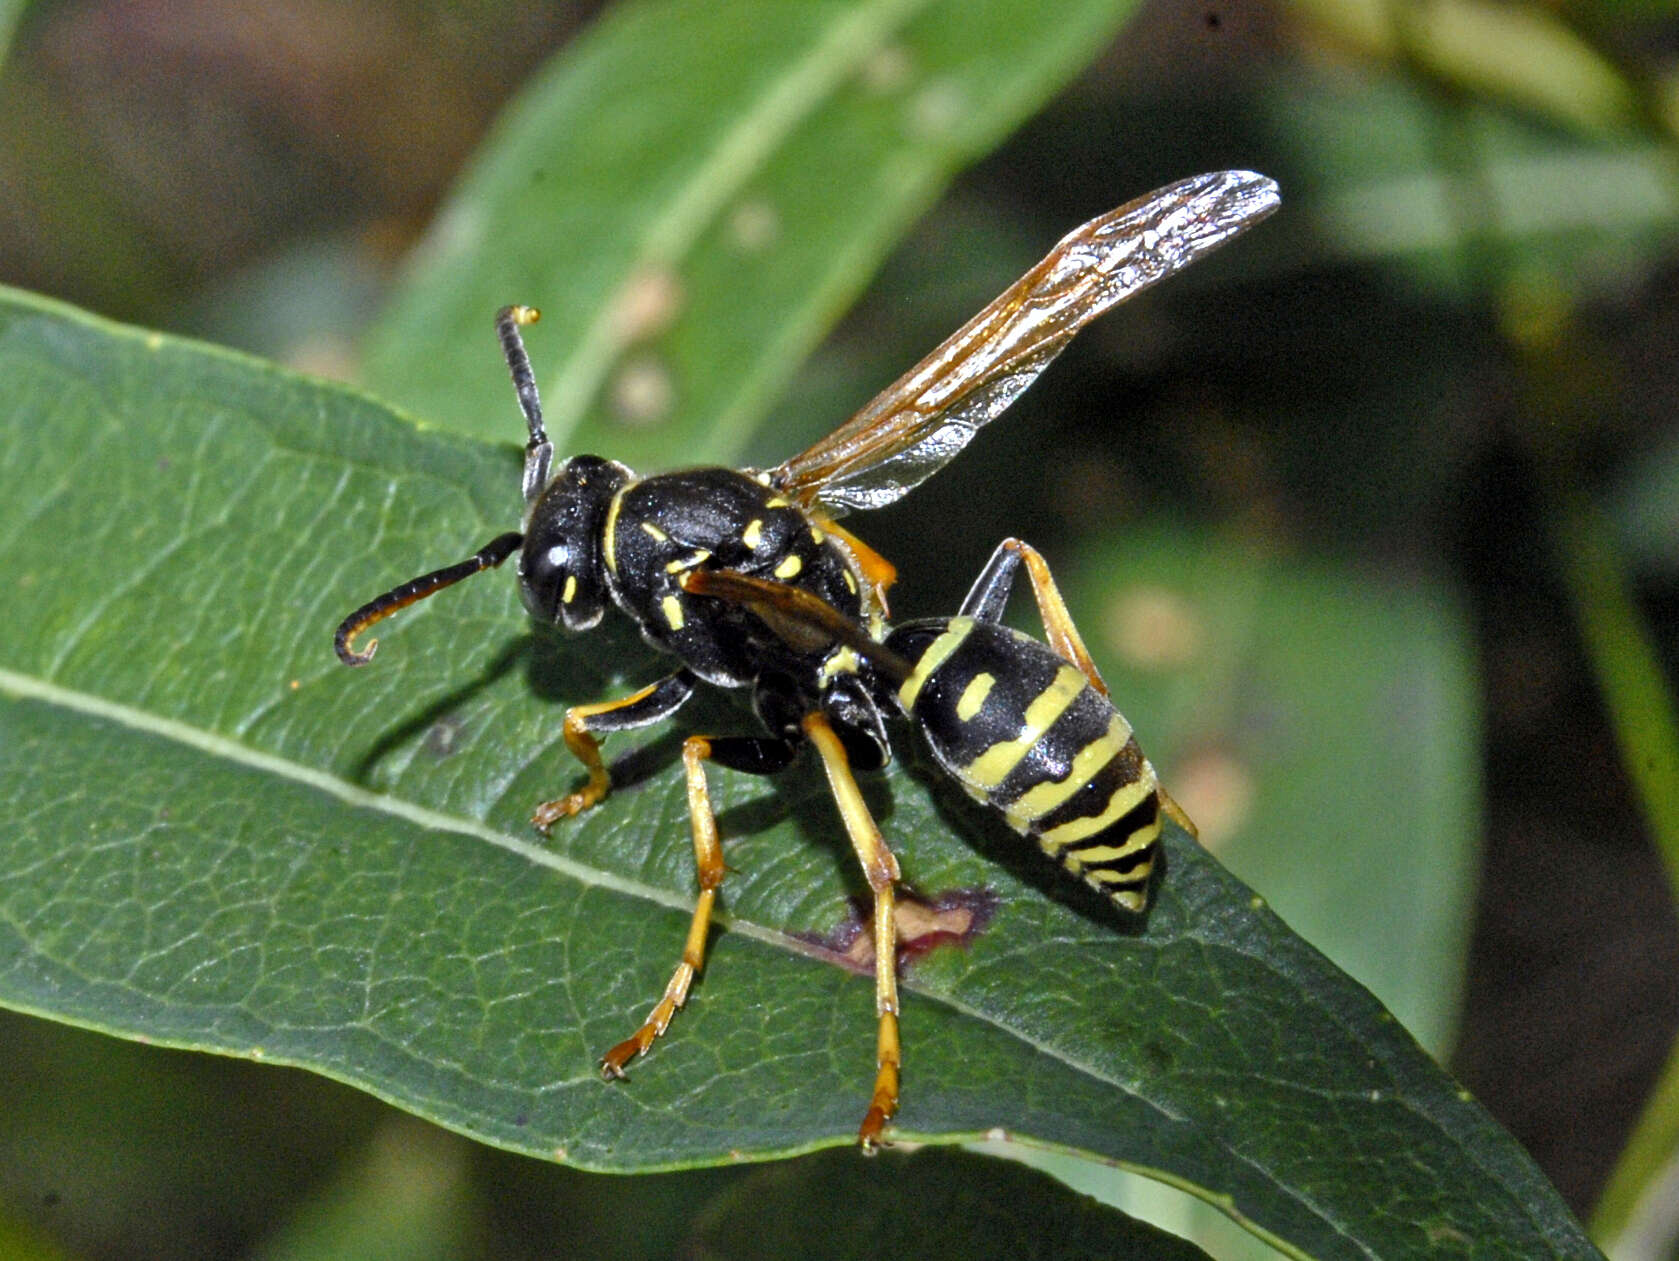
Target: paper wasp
{"points": [[745, 577]]}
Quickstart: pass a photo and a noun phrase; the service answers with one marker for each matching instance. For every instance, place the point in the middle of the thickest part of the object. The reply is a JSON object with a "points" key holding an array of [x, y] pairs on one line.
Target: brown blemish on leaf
{"points": [[953, 918]]}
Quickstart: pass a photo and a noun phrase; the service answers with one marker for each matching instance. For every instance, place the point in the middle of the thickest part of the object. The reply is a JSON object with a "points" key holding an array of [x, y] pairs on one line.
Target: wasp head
{"points": [[562, 576]]}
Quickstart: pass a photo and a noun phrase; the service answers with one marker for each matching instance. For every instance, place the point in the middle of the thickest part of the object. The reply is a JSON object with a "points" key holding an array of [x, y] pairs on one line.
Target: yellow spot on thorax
{"points": [[753, 534], [672, 608], [973, 696], [654, 532], [687, 562], [789, 568], [840, 661], [570, 588]]}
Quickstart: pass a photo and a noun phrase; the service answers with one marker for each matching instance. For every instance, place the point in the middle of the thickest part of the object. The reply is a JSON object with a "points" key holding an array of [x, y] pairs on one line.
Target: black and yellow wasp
{"points": [[745, 577]]}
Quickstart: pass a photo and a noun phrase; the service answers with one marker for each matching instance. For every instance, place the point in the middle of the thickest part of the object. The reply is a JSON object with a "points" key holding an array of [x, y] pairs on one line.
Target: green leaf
{"points": [[1523, 53], [1639, 700], [966, 1206], [694, 192], [1453, 184], [1645, 508], [10, 12], [219, 838], [407, 1199]]}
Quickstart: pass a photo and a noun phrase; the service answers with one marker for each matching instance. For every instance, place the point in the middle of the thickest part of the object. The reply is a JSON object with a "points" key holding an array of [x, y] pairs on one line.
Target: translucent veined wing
{"points": [[919, 423]]}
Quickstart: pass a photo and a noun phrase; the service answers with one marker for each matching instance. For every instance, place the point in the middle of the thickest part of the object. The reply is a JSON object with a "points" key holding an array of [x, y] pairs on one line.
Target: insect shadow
{"points": [[438, 722], [555, 670]]}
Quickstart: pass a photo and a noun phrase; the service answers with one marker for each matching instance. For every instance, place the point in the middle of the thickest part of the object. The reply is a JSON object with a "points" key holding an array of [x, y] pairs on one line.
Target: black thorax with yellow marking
{"points": [[659, 529]]}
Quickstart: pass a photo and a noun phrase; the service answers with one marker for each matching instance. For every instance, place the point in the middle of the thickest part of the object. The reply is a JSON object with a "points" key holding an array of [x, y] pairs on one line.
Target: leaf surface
{"points": [[222, 839]]}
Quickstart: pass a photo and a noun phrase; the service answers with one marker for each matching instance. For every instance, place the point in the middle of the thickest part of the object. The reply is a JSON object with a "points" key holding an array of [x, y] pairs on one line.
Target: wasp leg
{"points": [[881, 869], [757, 755], [583, 723], [1065, 639], [878, 572], [990, 592], [1175, 812]]}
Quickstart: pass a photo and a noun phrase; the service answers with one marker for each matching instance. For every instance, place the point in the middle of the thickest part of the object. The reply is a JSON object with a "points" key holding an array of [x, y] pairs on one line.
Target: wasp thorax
{"points": [[561, 576]]}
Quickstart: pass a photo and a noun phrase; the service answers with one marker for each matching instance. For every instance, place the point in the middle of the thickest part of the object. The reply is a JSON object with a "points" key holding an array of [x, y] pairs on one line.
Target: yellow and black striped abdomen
{"points": [[1023, 730]]}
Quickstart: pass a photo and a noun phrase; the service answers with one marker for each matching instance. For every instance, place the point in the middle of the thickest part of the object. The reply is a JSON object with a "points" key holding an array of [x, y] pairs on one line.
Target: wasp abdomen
{"points": [[1023, 730]]}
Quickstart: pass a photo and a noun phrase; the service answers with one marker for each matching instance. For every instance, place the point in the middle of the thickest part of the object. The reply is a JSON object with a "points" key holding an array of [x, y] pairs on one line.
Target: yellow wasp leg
{"points": [[881, 870], [587, 750], [878, 572], [708, 866], [657, 700], [1175, 812], [1063, 636]]}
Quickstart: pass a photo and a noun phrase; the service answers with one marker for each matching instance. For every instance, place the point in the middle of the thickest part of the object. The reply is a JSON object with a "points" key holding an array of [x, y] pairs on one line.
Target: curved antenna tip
{"points": [[350, 657]]}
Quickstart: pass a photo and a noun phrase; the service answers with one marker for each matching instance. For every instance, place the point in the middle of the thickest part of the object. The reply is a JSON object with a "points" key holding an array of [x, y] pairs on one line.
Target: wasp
{"points": [[746, 578]]}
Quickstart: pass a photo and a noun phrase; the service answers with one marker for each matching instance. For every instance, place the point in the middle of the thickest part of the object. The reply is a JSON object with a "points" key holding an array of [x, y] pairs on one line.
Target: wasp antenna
{"points": [[539, 452], [415, 589]]}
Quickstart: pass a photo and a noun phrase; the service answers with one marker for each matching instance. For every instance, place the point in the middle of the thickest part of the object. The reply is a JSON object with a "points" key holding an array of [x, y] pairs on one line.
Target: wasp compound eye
{"points": [[562, 576]]}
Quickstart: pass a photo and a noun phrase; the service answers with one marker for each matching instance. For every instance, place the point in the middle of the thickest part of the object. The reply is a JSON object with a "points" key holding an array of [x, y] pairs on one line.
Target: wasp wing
{"points": [[919, 423]]}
